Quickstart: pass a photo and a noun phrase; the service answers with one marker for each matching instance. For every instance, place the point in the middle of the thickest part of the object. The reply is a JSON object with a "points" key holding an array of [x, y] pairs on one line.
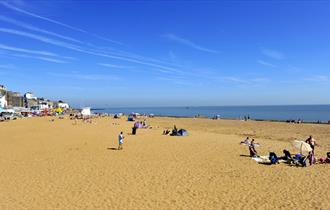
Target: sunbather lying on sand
{"points": [[325, 160], [166, 132]]}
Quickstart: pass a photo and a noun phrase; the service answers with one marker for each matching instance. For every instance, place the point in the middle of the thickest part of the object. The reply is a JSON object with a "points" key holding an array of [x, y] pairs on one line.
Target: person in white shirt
{"points": [[120, 141]]}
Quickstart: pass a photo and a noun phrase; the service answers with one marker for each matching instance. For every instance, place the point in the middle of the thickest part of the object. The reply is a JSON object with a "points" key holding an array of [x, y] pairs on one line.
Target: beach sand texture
{"points": [[58, 165]]}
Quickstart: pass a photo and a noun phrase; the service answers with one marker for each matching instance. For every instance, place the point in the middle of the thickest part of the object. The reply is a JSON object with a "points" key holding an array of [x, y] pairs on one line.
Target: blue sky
{"points": [[111, 53]]}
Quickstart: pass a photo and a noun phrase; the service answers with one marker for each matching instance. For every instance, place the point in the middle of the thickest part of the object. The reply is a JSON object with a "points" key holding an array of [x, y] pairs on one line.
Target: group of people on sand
{"points": [[84, 119], [297, 159], [173, 133], [168, 132], [139, 124], [252, 146]]}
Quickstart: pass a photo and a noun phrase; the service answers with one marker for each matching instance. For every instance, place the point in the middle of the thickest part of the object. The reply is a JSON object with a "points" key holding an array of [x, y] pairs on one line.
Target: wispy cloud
{"points": [[188, 43], [82, 50], [81, 76], [273, 54], [318, 78], [39, 38], [41, 54], [107, 39], [34, 28], [295, 69], [265, 63], [174, 80], [16, 49], [260, 80], [7, 66], [9, 6], [133, 60], [107, 50], [67, 42], [108, 65], [247, 81], [53, 60], [20, 3], [12, 7], [235, 79]]}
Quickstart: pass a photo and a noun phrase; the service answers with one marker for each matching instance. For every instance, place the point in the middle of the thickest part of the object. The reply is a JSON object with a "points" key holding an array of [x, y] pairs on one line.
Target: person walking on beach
{"points": [[120, 141], [252, 149]]}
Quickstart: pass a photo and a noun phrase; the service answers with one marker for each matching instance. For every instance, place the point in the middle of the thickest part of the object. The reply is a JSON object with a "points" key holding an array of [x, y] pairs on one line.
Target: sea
{"points": [[307, 113]]}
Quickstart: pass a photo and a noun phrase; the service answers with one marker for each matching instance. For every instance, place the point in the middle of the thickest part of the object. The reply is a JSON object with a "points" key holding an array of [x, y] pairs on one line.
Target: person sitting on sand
{"points": [[287, 156], [174, 131], [273, 158], [327, 160], [120, 141], [252, 149]]}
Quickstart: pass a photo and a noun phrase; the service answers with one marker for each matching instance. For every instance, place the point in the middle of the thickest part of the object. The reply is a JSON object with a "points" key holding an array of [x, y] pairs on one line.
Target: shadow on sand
{"points": [[112, 148], [244, 155]]}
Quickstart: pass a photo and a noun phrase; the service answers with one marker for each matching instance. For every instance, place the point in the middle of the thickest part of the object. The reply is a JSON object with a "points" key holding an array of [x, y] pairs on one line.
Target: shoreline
{"points": [[206, 117], [281, 113]]}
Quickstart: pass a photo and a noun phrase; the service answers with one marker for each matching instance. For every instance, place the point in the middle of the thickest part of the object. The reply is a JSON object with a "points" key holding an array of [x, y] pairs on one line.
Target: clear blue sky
{"points": [[185, 53]]}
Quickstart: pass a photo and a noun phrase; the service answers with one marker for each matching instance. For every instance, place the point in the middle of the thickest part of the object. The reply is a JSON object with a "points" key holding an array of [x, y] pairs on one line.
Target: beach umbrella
{"points": [[302, 146]]}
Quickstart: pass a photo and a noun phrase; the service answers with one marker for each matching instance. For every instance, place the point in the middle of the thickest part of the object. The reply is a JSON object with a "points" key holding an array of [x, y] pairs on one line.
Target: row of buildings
{"points": [[10, 99]]}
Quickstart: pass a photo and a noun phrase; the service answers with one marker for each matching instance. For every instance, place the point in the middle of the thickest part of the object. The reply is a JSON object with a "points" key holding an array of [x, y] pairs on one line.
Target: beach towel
{"points": [[261, 159]]}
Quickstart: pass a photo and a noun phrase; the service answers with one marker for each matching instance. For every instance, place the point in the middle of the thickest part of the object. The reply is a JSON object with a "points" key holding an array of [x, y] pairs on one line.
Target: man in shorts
{"points": [[120, 141]]}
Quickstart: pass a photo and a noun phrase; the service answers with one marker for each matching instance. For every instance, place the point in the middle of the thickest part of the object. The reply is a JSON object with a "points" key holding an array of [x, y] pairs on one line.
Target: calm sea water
{"points": [[309, 113]]}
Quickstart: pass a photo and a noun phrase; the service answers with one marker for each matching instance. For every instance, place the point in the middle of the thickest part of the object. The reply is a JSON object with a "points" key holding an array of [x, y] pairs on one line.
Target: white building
{"points": [[41, 106], [3, 101], [86, 111], [63, 105], [30, 95]]}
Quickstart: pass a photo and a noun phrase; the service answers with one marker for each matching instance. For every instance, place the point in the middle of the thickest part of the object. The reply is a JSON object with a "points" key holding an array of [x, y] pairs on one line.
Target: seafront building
{"points": [[14, 99], [3, 101], [11, 99]]}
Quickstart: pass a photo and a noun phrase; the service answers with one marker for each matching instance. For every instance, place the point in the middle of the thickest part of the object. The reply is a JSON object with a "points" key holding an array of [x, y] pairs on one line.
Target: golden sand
{"points": [[58, 165]]}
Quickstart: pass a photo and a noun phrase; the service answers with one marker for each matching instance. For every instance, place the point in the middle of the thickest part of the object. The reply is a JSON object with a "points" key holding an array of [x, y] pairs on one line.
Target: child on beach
{"points": [[120, 141]]}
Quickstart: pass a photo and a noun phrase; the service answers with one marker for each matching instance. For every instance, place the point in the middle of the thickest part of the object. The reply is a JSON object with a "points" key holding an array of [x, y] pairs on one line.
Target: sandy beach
{"points": [[58, 165]]}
